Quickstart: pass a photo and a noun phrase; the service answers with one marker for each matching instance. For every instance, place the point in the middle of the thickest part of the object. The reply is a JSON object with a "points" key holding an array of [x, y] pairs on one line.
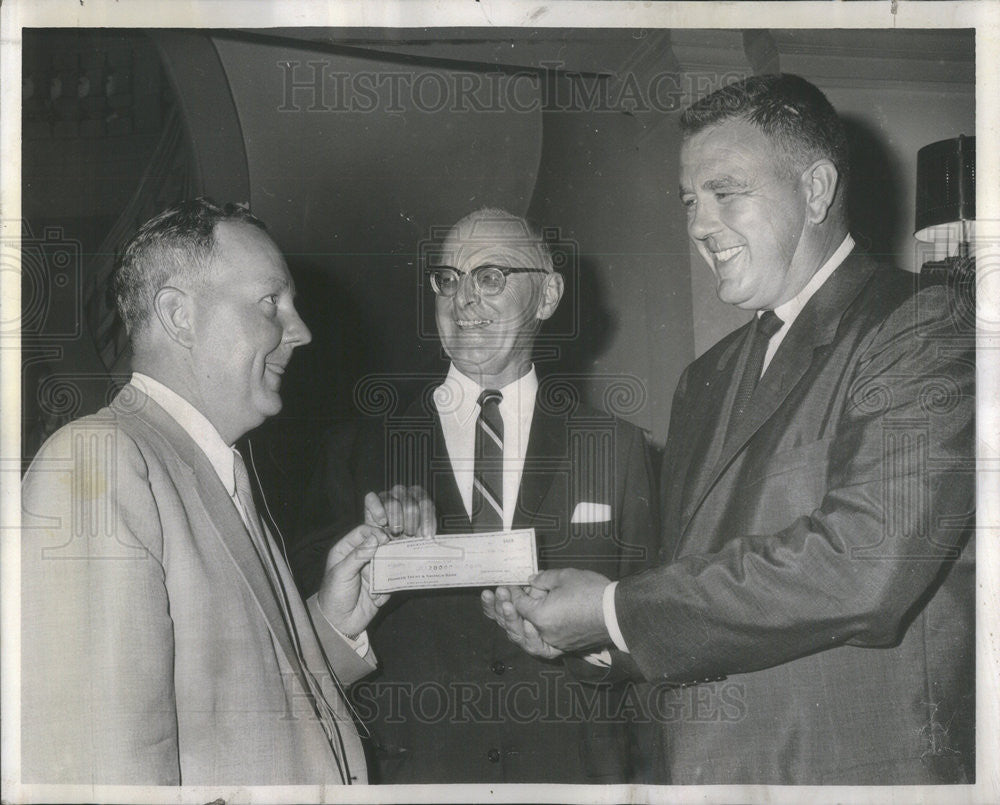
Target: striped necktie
{"points": [[487, 478]]}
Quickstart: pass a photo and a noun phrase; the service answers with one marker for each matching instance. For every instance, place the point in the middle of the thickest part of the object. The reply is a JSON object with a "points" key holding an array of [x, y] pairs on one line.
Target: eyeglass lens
{"points": [[488, 280]]}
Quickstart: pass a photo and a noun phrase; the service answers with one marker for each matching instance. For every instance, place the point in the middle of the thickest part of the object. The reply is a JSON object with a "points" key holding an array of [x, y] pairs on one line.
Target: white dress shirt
{"points": [[220, 454], [787, 312], [457, 403]]}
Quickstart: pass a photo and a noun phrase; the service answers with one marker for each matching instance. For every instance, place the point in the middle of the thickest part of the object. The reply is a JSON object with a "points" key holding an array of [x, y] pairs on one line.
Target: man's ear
{"points": [[820, 185], [173, 310], [552, 291]]}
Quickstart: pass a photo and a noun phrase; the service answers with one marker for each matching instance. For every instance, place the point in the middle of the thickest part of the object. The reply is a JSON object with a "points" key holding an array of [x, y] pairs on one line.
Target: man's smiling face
{"points": [[746, 210], [489, 338], [246, 327]]}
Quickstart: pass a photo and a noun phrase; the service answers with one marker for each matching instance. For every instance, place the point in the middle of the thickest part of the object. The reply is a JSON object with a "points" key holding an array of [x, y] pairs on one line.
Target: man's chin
{"points": [[269, 404], [733, 295]]}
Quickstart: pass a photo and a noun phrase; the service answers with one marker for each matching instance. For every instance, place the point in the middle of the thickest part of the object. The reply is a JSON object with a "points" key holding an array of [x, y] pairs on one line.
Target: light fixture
{"points": [[946, 197]]}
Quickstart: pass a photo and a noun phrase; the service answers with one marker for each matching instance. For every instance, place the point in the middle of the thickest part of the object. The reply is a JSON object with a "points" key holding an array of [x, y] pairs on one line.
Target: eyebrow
{"points": [[726, 182], [275, 283]]}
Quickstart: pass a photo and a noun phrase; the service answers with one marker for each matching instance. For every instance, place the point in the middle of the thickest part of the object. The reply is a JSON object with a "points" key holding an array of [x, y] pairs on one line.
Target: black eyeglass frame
{"points": [[431, 271]]}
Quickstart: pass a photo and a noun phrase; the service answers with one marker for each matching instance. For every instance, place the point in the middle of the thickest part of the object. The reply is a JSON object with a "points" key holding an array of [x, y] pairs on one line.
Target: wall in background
{"points": [[351, 155], [608, 180], [93, 107], [349, 195]]}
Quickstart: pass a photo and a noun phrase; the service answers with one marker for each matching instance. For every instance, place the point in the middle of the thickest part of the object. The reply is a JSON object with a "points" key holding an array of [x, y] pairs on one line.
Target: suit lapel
{"points": [[227, 525], [704, 441], [452, 517], [546, 443], [814, 328]]}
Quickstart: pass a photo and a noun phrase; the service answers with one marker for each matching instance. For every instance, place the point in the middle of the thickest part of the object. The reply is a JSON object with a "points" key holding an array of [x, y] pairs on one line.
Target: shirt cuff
{"points": [[359, 642], [602, 659], [611, 617]]}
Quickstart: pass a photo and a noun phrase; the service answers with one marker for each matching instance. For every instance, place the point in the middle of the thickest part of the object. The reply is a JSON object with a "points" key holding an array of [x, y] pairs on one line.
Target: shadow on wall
{"points": [[316, 389], [875, 198], [582, 326]]}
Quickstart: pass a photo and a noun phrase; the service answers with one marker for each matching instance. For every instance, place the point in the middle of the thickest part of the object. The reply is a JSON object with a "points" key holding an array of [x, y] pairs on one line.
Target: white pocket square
{"points": [[591, 513]]}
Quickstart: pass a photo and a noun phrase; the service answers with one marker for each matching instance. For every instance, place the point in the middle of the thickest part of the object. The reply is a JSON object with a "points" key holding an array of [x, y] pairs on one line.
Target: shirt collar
{"points": [[458, 395], [789, 310], [195, 424]]}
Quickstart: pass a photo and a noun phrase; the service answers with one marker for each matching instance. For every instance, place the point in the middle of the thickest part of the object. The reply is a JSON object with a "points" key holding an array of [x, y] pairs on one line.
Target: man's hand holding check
{"points": [[555, 611], [560, 610]]}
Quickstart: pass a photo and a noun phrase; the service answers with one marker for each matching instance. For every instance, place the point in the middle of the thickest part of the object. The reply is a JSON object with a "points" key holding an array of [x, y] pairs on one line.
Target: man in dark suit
{"points": [[162, 639], [813, 620], [455, 701]]}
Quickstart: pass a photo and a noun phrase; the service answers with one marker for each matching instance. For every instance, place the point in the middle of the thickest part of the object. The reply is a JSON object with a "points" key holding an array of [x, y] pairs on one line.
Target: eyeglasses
{"points": [[488, 279]]}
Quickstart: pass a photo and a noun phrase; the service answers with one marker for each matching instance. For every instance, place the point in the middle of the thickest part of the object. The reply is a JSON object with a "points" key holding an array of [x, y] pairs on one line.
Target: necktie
{"points": [[487, 474], [766, 325], [263, 546]]}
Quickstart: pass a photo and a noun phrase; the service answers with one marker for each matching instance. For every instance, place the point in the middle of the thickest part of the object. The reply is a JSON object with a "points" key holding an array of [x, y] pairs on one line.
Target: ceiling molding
{"points": [[901, 55], [761, 51]]}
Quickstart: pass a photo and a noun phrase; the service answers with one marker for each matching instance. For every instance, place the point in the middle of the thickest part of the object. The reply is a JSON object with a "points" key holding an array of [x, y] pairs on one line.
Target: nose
{"points": [[296, 333], [702, 220], [468, 291]]}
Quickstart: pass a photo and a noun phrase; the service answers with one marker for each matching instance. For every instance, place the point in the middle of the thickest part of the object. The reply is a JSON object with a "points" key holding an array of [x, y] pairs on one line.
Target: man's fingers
{"points": [[531, 632], [524, 604], [411, 516], [428, 515], [488, 602], [356, 560], [403, 510], [375, 513], [545, 580], [379, 535], [393, 513]]}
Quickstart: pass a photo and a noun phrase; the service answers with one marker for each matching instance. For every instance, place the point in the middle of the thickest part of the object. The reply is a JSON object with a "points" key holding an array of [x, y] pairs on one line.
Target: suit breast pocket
{"points": [[587, 538]]}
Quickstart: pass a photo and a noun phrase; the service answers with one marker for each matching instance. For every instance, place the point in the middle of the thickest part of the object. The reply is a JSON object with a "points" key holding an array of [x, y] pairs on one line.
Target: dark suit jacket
{"points": [[817, 552], [153, 648], [456, 701]]}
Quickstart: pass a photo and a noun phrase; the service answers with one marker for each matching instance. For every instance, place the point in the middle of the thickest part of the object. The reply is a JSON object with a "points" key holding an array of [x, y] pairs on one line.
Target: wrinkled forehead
{"points": [[499, 241]]}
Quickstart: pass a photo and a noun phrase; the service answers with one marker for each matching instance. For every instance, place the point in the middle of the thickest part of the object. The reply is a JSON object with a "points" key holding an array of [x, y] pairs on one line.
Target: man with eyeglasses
{"points": [[456, 701]]}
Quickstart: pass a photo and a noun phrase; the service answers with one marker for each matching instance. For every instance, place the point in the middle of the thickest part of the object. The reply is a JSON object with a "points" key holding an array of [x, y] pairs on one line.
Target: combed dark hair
{"points": [[177, 243], [786, 108]]}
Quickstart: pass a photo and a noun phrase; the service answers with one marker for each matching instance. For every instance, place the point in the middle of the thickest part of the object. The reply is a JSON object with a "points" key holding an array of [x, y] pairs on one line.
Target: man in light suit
{"points": [[454, 701], [813, 619], [162, 640]]}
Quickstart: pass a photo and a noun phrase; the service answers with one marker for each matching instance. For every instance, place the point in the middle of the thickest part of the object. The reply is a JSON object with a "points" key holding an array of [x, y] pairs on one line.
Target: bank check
{"points": [[455, 560]]}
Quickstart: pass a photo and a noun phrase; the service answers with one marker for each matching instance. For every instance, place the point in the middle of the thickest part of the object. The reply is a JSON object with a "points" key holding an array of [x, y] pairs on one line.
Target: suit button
{"points": [[498, 667], [493, 756]]}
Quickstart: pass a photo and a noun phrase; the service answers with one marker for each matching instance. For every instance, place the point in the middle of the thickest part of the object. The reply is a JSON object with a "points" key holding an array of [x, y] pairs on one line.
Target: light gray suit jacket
{"points": [[153, 648]]}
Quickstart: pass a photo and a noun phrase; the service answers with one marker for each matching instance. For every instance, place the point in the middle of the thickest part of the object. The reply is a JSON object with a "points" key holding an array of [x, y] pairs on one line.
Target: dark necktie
{"points": [[766, 325], [266, 551], [487, 476]]}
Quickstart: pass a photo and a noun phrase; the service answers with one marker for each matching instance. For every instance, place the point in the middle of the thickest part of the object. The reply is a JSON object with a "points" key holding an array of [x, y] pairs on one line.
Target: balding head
{"points": [[489, 336]]}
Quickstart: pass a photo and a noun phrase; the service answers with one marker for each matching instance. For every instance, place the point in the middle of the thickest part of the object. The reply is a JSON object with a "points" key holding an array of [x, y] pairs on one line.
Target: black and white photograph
{"points": [[499, 401]]}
